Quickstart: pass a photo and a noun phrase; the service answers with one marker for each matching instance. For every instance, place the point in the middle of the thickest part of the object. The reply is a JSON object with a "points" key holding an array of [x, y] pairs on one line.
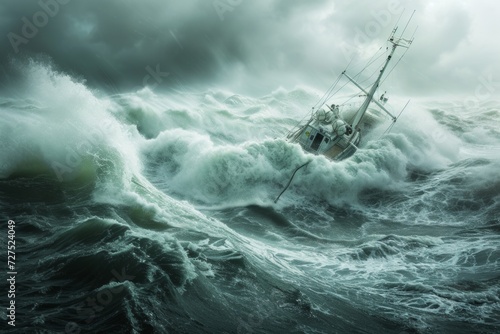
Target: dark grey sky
{"points": [[253, 45]]}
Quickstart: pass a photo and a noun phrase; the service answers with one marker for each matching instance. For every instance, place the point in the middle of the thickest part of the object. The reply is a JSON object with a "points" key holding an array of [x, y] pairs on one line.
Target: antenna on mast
{"points": [[399, 18], [400, 41], [414, 32], [407, 23]]}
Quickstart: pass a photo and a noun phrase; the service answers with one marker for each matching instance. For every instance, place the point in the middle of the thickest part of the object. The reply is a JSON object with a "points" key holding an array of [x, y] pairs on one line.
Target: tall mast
{"points": [[395, 43]]}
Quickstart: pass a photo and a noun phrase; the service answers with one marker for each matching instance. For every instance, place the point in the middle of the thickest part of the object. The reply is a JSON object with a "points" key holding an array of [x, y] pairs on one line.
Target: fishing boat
{"points": [[334, 134]]}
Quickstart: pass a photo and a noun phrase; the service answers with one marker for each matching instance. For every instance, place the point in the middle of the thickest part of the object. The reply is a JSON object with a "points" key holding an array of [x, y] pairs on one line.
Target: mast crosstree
{"points": [[327, 132], [369, 98]]}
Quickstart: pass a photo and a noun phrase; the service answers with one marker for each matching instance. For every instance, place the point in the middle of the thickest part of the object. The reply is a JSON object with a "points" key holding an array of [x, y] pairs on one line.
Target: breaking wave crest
{"points": [[168, 199]]}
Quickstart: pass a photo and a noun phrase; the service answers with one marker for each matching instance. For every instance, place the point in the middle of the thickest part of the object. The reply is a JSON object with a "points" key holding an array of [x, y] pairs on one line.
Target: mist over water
{"points": [[153, 211]]}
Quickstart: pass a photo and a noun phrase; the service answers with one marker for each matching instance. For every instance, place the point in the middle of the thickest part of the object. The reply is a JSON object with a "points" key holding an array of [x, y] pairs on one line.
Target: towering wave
{"points": [[154, 211]]}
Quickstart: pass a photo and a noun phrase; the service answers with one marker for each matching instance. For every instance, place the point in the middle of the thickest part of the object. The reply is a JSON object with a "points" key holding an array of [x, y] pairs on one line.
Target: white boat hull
{"points": [[314, 140]]}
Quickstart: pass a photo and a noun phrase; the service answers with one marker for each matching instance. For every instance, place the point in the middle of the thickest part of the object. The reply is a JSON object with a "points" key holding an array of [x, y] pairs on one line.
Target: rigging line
{"points": [[407, 23], [392, 69], [400, 58], [370, 62], [349, 99], [371, 75], [387, 130], [414, 32], [350, 61], [329, 93], [296, 126], [389, 71], [374, 60], [394, 122], [338, 90], [332, 87], [375, 71], [290, 181], [332, 93], [319, 103], [396, 25]]}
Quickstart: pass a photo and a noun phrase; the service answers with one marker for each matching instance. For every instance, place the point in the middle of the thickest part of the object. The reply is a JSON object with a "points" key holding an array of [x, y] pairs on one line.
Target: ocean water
{"points": [[153, 212]]}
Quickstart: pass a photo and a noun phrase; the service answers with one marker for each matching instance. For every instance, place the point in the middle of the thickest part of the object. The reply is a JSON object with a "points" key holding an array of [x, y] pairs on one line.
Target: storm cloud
{"points": [[251, 46]]}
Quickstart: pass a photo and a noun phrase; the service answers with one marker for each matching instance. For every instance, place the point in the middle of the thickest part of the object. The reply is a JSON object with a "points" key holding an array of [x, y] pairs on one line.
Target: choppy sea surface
{"points": [[154, 212]]}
